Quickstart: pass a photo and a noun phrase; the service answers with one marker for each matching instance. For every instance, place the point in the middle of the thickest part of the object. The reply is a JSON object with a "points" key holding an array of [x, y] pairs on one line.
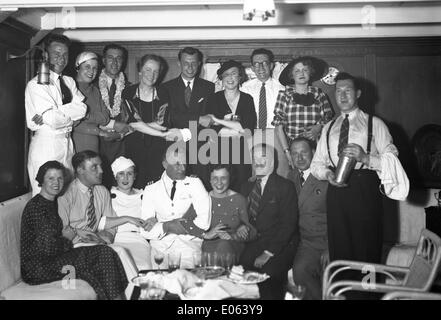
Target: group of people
{"points": [[125, 180]]}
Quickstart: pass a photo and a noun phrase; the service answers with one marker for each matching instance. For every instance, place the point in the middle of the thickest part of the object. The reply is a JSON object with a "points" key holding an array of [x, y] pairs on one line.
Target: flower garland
{"points": [[120, 84]]}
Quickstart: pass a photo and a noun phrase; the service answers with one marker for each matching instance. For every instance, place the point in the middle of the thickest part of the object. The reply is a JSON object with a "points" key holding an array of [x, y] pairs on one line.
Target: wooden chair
{"points": [[407, 295], [417, 278]]}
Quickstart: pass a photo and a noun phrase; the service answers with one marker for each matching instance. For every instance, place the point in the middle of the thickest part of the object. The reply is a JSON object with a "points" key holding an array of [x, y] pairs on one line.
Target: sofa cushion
{"points": [[10, 223], [50, 291]]}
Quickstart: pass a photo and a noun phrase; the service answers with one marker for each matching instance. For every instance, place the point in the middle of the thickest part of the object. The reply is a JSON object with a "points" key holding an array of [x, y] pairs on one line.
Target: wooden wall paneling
{"points": [[401, 75], [14, 40]]}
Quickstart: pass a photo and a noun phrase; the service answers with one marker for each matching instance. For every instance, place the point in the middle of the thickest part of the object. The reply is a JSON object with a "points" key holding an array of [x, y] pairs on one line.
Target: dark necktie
{"points": [[302, 179], [65, 92], [173, 190], [344, 133], [187, 94], [90, 211], [262, 107], [254, 200], [112, 91]]}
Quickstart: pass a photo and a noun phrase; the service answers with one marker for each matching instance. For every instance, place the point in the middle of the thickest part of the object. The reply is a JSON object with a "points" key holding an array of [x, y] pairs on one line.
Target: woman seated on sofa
{"points": [[230, 226], [126, 201], [46, 247]]}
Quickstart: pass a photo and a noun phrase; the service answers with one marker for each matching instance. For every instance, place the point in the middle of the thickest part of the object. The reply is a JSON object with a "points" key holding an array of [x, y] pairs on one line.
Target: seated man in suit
{"points": [[307, 267], [187, 96], [273, 211], [176, 209]]}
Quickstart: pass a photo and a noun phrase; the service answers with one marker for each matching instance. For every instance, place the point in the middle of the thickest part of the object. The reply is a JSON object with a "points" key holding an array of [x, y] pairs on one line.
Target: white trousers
{"points": [[137, 246], [45, 147]]}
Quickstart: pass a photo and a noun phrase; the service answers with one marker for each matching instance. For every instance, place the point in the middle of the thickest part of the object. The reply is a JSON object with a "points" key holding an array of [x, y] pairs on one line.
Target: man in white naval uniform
{"points": [[177, 211], [51, 111]]}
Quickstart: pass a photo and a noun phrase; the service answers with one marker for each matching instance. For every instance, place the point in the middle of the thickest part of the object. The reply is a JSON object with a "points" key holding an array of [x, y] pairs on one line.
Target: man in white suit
{"points": [[177, 211]]}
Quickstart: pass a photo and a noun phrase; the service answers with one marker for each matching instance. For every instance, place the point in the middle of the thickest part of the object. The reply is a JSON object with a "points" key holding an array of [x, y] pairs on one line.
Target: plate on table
{"points": [[249, 277], [210, 272]]}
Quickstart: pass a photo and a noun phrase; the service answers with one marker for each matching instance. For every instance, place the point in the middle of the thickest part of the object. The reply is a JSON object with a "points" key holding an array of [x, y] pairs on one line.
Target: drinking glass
{"points": [[213, 259], [159, 258], [174, 261], [229, 259], [197, 259]]}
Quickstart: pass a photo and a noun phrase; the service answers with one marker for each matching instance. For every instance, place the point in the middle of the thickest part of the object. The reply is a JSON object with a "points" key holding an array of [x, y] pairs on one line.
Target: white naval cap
{"points": [[121, 164], [84, 56]]}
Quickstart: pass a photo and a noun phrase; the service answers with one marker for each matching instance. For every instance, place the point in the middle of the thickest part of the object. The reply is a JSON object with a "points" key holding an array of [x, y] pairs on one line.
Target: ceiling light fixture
{"points": [[258, 8]]}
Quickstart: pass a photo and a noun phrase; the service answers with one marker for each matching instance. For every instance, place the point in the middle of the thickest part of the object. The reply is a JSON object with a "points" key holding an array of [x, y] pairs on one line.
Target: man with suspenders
{"points": [[354, 211]]}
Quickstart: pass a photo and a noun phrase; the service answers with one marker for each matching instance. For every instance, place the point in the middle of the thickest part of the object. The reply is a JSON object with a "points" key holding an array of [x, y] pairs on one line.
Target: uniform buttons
{"points": [[218, 204], [191, 228]]}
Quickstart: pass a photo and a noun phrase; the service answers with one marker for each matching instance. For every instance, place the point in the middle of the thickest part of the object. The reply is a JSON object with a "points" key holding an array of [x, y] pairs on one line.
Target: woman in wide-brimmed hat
{"points": [[233, 112], [301, 110]]}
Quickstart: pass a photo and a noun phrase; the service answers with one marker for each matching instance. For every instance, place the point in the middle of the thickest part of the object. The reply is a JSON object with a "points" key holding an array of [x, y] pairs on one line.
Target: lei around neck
{"points": [[120, 84]]}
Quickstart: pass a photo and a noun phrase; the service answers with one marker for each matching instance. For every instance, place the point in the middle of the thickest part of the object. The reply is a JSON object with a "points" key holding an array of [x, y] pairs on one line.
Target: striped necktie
{"points": [[254, 200], [302, 178], [344, 133], [90, 211], [262, 107], [187, 94]]}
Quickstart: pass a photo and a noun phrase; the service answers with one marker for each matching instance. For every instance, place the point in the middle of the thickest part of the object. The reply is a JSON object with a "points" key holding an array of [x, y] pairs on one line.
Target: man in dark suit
{"points": [[307, 267], [186, 96], [272, 208]]}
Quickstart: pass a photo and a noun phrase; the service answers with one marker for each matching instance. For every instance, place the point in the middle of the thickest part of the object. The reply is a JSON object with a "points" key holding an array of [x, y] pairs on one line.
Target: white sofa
{"points": [[11, 285]]}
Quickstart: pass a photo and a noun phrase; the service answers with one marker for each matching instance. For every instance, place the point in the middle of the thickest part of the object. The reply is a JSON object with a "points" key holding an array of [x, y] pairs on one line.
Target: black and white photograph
{"points": [[236, 151]]}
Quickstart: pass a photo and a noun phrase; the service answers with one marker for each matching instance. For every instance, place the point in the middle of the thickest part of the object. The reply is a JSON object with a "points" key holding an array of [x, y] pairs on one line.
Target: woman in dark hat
{"points": [[233, 113], [301, 110], [46, 247]]}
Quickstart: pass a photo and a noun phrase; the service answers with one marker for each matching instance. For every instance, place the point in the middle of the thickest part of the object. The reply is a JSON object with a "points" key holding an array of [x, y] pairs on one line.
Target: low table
{"points": [[221, 283]]}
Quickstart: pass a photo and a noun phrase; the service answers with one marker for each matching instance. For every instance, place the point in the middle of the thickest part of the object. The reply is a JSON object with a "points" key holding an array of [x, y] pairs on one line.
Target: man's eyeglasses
{"points": [[263, 64]]}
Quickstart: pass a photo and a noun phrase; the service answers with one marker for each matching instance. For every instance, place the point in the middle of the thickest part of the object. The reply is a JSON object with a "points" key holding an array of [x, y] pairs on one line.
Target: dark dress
{"points": [[44, 253], [218, 106], [145, 150], [230, 211]]}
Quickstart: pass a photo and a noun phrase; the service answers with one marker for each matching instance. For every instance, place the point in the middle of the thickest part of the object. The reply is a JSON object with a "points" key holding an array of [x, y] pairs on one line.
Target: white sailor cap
{"points": [[121, 164]]}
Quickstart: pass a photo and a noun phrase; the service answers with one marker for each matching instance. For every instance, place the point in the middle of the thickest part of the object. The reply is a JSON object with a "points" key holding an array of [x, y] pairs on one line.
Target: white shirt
{"points": [[127, 205], [46, 100], [358, 133], [187, 81], [156, 202], [306, 173], [263, 182], [272, 88]]}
